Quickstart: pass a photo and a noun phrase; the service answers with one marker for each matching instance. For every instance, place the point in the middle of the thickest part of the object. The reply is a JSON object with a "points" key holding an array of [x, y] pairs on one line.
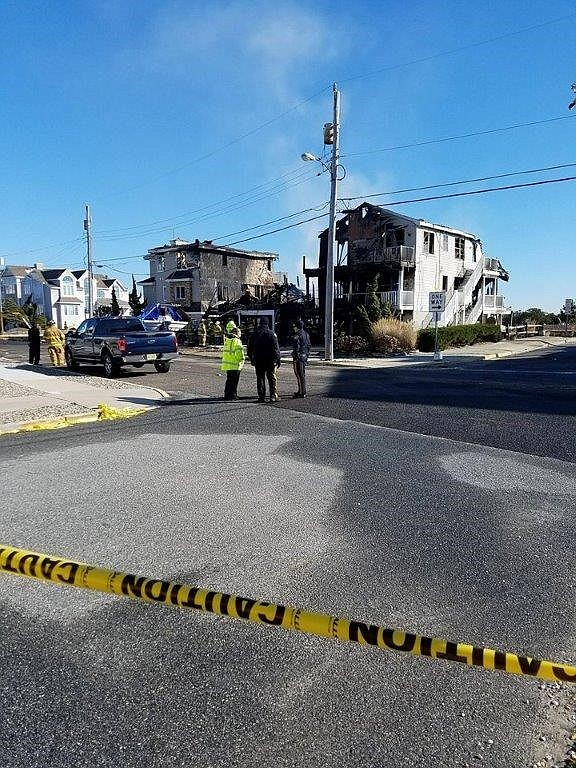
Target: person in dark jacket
{"points": [[300, 353], [34, 345], [264, 354]]}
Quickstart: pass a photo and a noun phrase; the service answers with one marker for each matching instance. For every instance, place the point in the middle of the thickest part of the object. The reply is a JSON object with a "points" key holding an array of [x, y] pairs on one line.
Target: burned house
{"points": [[411, 257], [199, 275]]}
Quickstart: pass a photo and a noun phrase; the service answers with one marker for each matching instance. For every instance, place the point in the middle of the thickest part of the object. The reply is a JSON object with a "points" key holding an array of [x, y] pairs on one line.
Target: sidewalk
{"points": [[29, 395], [487, 351]]}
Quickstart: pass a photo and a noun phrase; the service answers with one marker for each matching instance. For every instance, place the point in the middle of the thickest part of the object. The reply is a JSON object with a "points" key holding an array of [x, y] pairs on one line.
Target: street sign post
{"points": [[568, 310], [436, 304]]}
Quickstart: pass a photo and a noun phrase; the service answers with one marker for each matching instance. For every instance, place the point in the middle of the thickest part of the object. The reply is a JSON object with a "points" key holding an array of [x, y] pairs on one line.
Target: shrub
{"points": [[392, 335], [457, 336], [351, 345]]}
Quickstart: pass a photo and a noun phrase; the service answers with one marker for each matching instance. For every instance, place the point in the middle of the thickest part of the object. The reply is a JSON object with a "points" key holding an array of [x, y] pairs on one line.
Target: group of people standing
{"points": [[53, 337], [264, 354]]}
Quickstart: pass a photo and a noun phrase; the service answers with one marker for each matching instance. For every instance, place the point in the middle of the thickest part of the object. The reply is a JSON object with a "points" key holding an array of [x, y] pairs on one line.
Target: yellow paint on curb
{"points": [[104, 413]]}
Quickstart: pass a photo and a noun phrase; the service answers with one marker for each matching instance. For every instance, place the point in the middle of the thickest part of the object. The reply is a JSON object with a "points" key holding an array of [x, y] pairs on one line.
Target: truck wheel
{"points": [[70, 362], [162, 366], [111, 369]]}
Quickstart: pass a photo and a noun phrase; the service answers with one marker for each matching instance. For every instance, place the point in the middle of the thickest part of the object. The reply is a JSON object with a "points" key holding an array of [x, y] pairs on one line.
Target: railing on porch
{"points": [[397, 254], [493, 302], [398, 299]]}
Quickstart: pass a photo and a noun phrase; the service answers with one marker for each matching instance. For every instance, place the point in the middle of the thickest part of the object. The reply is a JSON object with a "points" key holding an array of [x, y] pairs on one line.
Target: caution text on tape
{"points": [[36, 565]]}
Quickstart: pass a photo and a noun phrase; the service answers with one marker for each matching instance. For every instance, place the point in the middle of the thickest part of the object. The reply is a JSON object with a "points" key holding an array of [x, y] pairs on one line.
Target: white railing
{"points": [[491, 265], [389, 297], [398, 299], [493, 302], [407, 300]]}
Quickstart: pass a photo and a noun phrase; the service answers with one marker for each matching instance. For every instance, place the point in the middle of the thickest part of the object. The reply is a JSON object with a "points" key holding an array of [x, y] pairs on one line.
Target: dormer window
{"points": [[68, 286]]}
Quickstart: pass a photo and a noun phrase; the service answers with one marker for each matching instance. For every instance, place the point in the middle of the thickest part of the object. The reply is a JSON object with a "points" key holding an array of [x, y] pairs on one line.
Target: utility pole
{"points": [[1, 306], [329, 309], [87, 227]]}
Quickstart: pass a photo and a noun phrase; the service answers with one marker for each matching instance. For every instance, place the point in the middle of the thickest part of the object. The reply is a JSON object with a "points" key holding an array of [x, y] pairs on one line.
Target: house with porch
{"points": [[411, 257]]}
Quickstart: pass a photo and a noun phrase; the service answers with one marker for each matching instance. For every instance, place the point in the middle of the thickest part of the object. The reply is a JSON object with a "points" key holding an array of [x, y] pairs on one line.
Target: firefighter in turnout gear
{"points": [[54, 337], [232, 360]]}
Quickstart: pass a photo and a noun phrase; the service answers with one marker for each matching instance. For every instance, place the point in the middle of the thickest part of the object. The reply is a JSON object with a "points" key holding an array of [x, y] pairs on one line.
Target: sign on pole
{"points": [[569, 306], [436, 301]]}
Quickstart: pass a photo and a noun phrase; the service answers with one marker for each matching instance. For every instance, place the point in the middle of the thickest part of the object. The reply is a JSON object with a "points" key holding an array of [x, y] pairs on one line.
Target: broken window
{"points": [[160, 264], [428, 242], [224, 259], [180, 261], [459, 247]]}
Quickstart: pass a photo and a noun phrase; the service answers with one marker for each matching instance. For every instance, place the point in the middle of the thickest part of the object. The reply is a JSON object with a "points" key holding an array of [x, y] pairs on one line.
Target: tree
{"points": [[114, 306], [373, 305], [22, 314], [135, 299]]}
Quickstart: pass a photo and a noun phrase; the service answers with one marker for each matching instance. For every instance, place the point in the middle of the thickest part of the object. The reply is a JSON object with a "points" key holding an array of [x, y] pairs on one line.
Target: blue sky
{"points": [[188, 119]]}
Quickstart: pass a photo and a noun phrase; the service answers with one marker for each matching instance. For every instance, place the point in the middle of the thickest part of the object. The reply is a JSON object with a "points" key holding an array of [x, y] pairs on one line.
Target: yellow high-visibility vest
{"points": [[232, 354]]}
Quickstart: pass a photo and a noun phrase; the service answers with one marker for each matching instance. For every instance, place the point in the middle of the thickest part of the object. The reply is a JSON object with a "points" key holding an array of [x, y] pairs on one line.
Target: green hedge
{"points": [[457, 336]]}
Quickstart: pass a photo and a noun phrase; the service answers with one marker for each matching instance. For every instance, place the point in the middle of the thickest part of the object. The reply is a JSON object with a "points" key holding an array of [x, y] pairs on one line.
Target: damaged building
{"points": [[199, 275], [411, 257]]}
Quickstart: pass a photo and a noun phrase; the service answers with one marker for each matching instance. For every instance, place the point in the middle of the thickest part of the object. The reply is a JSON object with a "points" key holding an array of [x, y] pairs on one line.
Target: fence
{"points": [[524, 331]]}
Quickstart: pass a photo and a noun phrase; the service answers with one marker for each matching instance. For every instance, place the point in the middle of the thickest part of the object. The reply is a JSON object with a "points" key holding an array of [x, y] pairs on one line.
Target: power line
{"points": [[426, 142], [294, 172], [280, 229], [210, 154], [215, 214], [481, 191], [418, 200], [460, 48], [272, 221], [463, 181]]}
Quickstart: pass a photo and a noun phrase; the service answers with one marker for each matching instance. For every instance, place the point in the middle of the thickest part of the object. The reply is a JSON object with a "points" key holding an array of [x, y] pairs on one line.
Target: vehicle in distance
{"points": [[114, 342]]}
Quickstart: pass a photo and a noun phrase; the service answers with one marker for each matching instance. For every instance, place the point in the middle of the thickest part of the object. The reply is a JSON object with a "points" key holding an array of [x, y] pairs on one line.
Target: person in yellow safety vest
{"points": [[202, 333], [232, 360], [54, 337]]}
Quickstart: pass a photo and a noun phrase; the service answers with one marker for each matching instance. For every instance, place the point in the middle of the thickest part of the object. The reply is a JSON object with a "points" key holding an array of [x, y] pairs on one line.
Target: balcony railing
{"points": [[493, 302], [392, 297], [397, 254], [491, 265]]}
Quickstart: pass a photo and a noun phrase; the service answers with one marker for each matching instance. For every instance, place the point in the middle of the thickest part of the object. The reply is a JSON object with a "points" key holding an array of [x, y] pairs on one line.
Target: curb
{"points": [[104, 413]]}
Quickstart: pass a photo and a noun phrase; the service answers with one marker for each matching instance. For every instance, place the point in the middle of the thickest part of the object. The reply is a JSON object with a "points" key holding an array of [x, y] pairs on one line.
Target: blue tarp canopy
{"points": [[161, 312]]}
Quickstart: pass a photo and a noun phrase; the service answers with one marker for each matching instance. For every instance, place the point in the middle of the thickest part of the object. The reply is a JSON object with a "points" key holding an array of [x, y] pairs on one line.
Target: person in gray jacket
{"points": [[264, 354], [300, 354]]}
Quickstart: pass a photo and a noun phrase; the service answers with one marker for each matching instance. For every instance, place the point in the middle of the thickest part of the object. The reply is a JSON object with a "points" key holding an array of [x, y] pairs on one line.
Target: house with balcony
{"points": [[411, 257], [198, 275]]}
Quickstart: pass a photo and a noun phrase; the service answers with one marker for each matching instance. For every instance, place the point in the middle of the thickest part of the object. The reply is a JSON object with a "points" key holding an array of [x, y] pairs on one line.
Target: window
{"points": [[68, 286], [444, 282], [179, 292], [459, 247], [428, 242], [269, 265], [100, 293], [160, 265], [444, 241], [180, 261], [224, 259]]}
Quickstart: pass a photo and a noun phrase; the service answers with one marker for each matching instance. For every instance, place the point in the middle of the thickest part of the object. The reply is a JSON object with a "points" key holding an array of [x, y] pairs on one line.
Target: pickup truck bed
{"points": [[114, 342]]}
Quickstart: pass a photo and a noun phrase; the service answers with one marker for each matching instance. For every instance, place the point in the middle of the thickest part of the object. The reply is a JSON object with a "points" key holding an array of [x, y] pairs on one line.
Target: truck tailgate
{"points": [[150, 343]]}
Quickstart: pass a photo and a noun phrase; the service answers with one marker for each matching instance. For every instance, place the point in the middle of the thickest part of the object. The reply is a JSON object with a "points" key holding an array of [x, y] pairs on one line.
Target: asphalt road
{"points": [[318, 504]]}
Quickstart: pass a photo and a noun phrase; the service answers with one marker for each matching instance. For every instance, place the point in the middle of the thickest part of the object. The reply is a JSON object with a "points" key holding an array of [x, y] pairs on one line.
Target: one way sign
{"points": [[437, 301]]}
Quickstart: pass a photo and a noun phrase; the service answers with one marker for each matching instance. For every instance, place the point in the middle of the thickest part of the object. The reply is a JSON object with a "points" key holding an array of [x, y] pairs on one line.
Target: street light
{"points": [[2, 269], [331, 136]]}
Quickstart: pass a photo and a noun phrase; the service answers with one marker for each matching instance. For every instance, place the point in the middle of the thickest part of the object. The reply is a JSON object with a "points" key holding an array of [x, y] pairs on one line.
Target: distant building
{"points": [[412, 258], [199, 275], [60, 294]]}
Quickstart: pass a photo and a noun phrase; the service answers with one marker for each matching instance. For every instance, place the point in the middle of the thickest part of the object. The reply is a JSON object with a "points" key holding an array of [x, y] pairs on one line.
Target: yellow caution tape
{"points": [[47, 568], [105, 413]]}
